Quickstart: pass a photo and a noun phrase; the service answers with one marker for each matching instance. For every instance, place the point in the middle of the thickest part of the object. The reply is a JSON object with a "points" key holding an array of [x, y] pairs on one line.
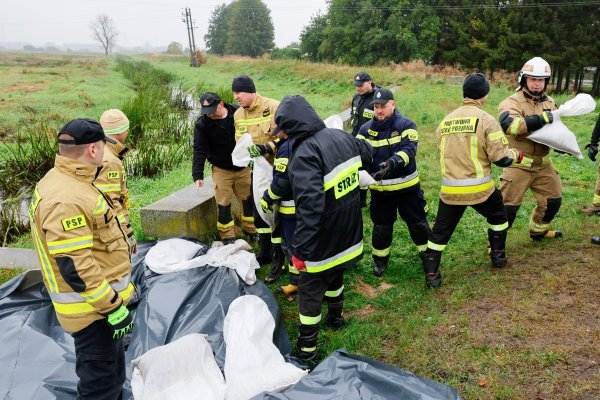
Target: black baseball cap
{"points": [[83, 131], [382, 96], [209, 102], [361, 78]]}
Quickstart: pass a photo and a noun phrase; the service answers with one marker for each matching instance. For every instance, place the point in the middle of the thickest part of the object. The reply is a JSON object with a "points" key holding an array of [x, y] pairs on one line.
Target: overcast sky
{"points": [[140, 22]]}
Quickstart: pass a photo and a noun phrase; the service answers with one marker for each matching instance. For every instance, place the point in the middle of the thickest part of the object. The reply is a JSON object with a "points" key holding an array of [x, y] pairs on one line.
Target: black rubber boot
{"points": [[431, 266], [265, 249], [380, 265], [306, 349], [334, 318], [497, 248], [252, 237], [277, 264], [363, 198], [596, 239]]}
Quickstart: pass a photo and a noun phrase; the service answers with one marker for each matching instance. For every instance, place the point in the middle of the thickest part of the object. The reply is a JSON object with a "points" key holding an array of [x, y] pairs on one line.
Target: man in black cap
{"points": [[254, 117], [214, 138], [470, 141], [398, 190], [85, 259], [362, 111]]}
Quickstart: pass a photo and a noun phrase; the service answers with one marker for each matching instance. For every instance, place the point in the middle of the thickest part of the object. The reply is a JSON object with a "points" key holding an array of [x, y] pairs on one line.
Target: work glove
{"points": [[259, 150], [266, 203], [535, 122], [120, 322], [592, 150], [519, 154], [251, 165], [386, 168], [547, 117], [298, 263]]}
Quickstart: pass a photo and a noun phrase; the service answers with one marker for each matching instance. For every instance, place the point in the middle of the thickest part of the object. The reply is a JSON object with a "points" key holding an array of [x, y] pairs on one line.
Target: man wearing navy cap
{"points": [[84, 254], [214, 139]]}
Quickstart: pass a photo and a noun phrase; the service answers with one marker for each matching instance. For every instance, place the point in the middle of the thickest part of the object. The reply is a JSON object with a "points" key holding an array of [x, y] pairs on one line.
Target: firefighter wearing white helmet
{"points": [[529, 109]]}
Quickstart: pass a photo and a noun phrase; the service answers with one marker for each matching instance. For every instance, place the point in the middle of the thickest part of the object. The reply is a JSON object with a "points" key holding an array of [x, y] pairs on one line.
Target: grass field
{"points": [[527, 331]]}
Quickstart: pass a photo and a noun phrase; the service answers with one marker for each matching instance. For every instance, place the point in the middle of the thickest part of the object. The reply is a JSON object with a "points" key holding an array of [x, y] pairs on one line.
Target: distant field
{"points": [[527, 331]]}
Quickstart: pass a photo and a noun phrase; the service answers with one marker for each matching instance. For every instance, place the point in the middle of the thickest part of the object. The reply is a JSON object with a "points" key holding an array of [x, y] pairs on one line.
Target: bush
{"points": [[285, 54]]}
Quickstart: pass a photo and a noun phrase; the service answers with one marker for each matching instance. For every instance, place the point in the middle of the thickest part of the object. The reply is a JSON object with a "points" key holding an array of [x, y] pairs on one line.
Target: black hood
{"points": [[297, 118]]}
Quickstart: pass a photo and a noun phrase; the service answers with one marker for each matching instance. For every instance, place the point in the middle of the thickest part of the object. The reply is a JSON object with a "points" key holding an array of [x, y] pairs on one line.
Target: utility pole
{"points": [[187, 18]]}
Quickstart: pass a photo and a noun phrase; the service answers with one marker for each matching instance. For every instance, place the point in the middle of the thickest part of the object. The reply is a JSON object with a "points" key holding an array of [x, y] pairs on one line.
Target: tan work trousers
{"points": [[545, 185], [230, 183], [597, 191]]}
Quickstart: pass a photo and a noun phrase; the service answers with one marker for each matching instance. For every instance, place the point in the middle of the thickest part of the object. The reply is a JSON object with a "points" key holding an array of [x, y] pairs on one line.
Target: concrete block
{"points": [[188, 212], [18, 258]]}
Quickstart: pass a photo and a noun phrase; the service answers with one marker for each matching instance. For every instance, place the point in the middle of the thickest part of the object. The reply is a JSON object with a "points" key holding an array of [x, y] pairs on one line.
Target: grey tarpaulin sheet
{"points": [[37, 359], [350, 377]]}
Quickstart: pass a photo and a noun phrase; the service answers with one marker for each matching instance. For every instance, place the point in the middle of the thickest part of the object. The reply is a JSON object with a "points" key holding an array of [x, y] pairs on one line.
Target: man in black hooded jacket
{"points": [[323, 172]]}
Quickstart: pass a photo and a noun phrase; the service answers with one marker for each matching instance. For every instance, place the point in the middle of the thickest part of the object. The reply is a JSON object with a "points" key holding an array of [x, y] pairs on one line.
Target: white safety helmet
{"points": [[537, 67]]}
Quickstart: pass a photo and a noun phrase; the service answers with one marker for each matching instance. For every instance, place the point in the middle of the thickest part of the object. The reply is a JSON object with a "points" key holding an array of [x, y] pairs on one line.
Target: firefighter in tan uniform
{"points": [[112, 180], [254, 117], [469, 141], [520, 114], [85, 259]]}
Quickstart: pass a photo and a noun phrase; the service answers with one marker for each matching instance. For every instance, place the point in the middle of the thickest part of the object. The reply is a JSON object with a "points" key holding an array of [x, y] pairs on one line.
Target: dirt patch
{"points": [[369, 291], [542, 319], [364, 312], [26, 87]]}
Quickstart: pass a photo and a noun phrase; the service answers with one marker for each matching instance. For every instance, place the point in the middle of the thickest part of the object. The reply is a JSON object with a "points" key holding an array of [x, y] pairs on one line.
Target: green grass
{"points": [[440, 334]]}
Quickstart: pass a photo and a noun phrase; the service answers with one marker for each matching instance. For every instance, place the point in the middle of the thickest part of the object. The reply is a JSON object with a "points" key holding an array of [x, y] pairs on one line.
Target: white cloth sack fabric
{"points": [[556, 134], [365, 180], [240, 155], [253, 364], [262, 176], [183, 369], [176, 254], [335, 122]]}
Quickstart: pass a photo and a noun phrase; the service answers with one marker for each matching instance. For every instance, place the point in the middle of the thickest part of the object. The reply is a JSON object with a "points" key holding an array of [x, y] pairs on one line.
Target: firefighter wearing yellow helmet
{"points": [[529, 109]]}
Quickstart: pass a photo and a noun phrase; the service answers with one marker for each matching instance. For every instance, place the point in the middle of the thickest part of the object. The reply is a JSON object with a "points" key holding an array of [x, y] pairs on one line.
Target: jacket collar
{"points": [[118, 149], [256, 103], [470, 102], [81, 171]]}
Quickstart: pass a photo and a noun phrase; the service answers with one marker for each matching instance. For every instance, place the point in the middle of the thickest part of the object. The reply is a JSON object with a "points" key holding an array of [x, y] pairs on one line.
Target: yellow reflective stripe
{"points": [[309, 349], [535, 227], [117, 130], [276, 240], [293, 270], [380, 253], [383, 142], [109, 187], [596, 200], [498, 228], [127, 292], [434, 246], [63, 246], [442, 151], [546, 159], [73, 308], [340, 172], [96, 294], [287, 210], [513, 128], [359, 136], [467, 189], [422, 247], [412, 134], [249, 219], [498, 135], [397, 186], [100, 206], [272, 195], [334, 293], [264, 230], [306, 320], [252, 121], [404, 156], [45, 261], [340, 258], [225, 226], [475, 156]]}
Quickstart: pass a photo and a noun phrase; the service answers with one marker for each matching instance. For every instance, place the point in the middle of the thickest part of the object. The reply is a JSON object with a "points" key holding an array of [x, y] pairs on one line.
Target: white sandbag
{"points": [[262, 176], [365, 179], [171, 256], [183, 369], [557, 135], [253, 364], [335, 122], [240, 155]]}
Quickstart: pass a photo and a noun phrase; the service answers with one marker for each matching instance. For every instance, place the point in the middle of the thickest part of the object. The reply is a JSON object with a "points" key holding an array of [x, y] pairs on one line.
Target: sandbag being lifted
{"points": [[556, 135]]}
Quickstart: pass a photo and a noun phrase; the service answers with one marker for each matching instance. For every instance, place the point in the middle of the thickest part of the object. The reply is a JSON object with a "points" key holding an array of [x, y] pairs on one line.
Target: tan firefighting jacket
{"points": [[113, 183], [535, 155], [256, 120], [82, 249], [469, 141]]}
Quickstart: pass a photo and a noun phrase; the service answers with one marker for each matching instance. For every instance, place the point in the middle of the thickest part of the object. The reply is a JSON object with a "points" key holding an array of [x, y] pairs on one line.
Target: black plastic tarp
{"points": [[37, 357], [351, 377]]}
